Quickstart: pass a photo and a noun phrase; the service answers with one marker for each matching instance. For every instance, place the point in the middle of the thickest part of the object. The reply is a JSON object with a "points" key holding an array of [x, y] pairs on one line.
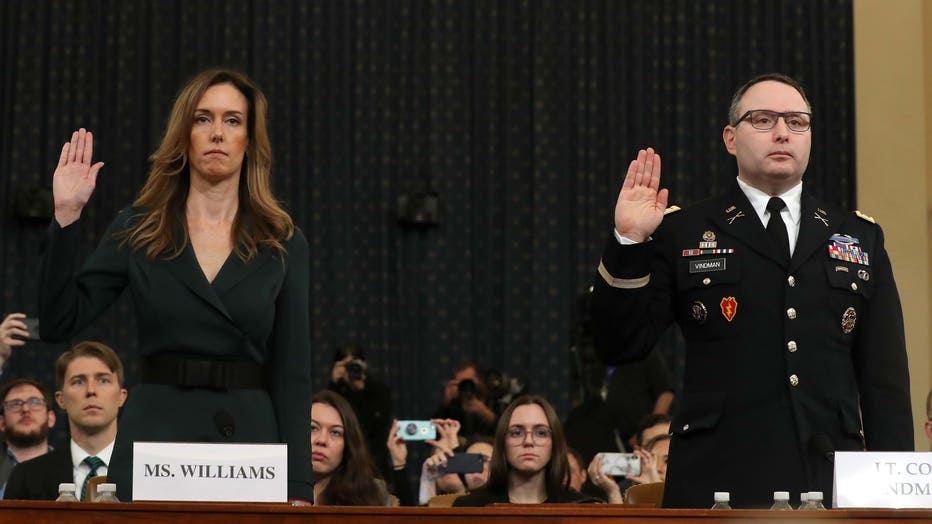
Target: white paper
{"points": [[883, 479]]}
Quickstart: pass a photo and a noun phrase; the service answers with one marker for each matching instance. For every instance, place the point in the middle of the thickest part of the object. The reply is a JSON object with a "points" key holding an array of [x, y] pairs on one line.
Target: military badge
{"points": [[821, 218], [708, 236], [848, 319], [864, 275], [697, 252], [699, 312], [844, 247], [729, 307]]}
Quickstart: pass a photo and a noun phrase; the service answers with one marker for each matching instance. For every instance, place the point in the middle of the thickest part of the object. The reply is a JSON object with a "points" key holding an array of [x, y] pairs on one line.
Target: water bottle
{"points": [[721, 500], [815, 500], [804, 500], [106, 492], [66, 492], [781, 501]]}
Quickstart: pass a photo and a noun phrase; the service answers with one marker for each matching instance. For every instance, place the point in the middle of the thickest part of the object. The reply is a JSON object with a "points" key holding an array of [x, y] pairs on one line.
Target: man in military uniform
{"points": [[794, 329]]}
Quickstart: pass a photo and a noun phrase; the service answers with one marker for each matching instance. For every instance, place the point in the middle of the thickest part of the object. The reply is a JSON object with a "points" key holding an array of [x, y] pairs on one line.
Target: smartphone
{"points": [[32, 326], [620, 464], [417, 430], [464, 463]]}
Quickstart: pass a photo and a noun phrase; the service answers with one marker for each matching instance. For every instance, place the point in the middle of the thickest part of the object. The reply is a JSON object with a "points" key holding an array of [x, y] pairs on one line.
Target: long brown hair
{"points": [[353, 483], [556, 478], [260, 220]]}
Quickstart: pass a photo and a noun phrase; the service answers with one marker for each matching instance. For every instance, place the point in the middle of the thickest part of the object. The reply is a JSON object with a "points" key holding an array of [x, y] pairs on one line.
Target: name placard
{"points": [[883, 479], [183, 471]]}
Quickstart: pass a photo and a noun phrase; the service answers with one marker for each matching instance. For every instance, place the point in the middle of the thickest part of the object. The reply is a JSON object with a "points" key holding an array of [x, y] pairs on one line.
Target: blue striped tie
{"points": [[94, 463]]}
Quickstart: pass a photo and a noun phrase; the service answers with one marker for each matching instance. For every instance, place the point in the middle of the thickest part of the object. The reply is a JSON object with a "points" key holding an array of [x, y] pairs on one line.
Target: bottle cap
{"points": [[781, 495], [804, 496], [66, 486], [815, 495], [722, 496], [107, 487]]}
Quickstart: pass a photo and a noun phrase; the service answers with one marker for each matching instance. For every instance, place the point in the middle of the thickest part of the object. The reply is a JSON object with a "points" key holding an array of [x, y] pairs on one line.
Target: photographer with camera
{"points": [[370, 399], [466, 399]]}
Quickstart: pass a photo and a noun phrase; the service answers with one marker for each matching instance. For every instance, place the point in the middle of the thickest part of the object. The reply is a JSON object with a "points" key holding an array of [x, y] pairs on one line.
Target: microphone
{"points": [[822, 446], [225, 423]]}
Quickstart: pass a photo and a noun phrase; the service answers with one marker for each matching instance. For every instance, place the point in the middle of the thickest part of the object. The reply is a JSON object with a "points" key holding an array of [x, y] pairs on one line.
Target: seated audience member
{"points": [[90, 382], [25, 423], [577, 472], [370, 399], [435, 481], [654, 456], [529, 459], [466, 399], [343, 470], [398, 451], [13, 332]]}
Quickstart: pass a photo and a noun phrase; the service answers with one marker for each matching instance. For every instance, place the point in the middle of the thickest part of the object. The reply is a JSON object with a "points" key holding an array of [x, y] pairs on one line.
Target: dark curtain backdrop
{"points": [[522, 115]]}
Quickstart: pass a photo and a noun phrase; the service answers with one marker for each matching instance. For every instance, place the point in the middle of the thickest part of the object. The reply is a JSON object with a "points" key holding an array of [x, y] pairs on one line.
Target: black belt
{"points": [[200, 373]]}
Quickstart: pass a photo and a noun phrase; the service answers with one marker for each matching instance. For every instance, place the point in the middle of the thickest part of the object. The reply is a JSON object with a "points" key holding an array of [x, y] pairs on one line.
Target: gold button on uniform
{"points": [[794, 380], [791, 313], [791, 280], [854, 286], [791, 345], [707, 281], [685, 427]]}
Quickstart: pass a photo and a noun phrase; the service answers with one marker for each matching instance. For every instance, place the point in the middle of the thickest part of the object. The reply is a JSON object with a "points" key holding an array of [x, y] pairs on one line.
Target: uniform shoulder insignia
{"points": [[671, 209], [865, 217]]}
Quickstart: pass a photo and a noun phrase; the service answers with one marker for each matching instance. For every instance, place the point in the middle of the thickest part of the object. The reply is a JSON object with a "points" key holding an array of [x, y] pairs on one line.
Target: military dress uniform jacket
{"points": [[781, 354], [255, 312]]}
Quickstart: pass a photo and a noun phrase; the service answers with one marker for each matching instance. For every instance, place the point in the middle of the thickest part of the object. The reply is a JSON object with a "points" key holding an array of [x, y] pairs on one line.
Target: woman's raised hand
{"points": [[75, 177]]}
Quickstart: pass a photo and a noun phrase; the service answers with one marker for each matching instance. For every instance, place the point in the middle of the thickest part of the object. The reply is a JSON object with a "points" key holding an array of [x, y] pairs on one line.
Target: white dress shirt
{"points": [[81, 469]]}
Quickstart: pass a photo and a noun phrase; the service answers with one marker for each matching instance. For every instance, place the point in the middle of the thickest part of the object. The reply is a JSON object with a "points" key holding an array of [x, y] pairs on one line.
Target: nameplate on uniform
{"points": [[181, 471], [883, 479], [706, 265]]}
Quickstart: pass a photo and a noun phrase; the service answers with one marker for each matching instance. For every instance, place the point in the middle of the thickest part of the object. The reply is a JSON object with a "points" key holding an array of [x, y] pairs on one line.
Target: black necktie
{"points": [[776, 228]]}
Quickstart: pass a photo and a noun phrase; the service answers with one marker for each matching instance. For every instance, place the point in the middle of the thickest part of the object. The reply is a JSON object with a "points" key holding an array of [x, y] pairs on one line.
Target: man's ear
{"points": [[59, 398], [123, 395], [728, 136], [51, 418], [3, 424]]}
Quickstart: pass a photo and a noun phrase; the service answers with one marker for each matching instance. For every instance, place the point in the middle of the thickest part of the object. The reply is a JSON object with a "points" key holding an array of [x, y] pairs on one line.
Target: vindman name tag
{"points": [[210, 472], [883, 479]]}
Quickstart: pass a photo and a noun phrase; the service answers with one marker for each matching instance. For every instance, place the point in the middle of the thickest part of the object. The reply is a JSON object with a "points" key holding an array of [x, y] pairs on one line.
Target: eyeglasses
{"points": [[539, 435], [764, 119], [31, 403]]}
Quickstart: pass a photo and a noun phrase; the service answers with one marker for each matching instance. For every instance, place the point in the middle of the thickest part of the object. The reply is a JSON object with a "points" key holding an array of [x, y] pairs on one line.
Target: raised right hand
{"points": [[640, 206], [75, 177]]}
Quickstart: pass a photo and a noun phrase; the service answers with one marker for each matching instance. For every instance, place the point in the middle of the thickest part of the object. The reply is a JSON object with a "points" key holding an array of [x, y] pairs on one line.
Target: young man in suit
{"points": [[90, 382], [791, 315]]}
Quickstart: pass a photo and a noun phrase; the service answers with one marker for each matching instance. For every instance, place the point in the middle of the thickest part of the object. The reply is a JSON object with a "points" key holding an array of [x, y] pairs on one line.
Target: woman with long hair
{"points": [[218, 275], [529, 461], [345, 472]]}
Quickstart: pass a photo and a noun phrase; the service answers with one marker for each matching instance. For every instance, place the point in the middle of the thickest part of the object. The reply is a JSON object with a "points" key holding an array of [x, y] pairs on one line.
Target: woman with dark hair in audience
{"points": [[344, 471], [529, 460]]}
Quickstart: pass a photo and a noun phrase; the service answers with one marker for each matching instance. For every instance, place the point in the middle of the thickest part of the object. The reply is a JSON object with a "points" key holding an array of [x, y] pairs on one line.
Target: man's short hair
{"points": [[733, 115], [88, 349], [15, 383]]}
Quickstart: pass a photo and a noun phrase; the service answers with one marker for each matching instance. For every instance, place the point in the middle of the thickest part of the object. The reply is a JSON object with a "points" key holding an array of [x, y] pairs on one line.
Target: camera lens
{"points": [[467, 388], [355, 369], [411, 429]]}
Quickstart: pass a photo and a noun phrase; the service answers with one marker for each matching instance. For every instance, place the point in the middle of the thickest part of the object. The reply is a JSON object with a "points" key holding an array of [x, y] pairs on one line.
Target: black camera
{"points": [[355, 369], [467, 389]]}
